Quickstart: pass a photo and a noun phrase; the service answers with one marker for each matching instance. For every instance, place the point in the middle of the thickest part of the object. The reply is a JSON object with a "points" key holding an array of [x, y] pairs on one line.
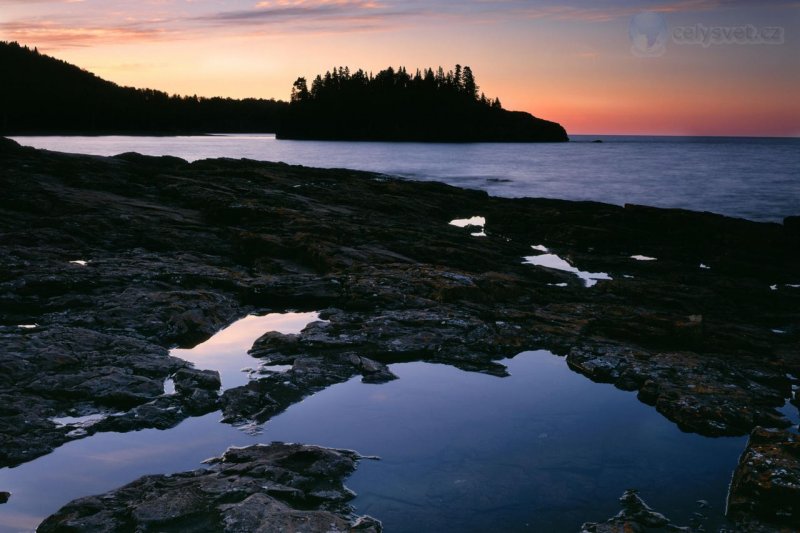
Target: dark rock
{"points": [[187, 380], [792, 225], [177, 251], [765, 490], [9, 145], [374, 372], [4, 496], [280, 487], [636, 516]]}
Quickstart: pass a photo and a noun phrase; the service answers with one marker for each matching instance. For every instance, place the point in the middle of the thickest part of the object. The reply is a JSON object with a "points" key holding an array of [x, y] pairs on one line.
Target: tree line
{"points": [[43, 95], [393, 105], [40, 94], [457, 83]]}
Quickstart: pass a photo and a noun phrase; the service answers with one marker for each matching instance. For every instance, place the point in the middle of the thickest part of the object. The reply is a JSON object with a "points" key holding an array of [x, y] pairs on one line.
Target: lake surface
{"points": [[542, 450], [752, 178]]}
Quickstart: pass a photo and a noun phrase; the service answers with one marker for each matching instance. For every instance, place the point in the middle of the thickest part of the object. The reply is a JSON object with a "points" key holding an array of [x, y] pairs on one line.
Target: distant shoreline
{"points": [[574, 137]]}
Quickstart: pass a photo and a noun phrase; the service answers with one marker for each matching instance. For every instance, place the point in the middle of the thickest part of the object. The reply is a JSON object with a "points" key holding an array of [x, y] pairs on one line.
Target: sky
{"points": [[669, 67]]}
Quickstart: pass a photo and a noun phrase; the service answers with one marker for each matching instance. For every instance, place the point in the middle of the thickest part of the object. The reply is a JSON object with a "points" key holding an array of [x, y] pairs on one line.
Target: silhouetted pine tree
{"points": [[393, 105], [41, 94]]}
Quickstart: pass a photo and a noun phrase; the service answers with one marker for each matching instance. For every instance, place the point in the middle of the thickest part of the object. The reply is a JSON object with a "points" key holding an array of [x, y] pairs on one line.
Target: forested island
{"points": [[44, 95], [393, 105]]}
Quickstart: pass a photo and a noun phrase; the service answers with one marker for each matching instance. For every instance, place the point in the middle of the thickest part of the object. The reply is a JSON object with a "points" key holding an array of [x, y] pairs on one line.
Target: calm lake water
{"points": [[542, 450], [752, 178]]}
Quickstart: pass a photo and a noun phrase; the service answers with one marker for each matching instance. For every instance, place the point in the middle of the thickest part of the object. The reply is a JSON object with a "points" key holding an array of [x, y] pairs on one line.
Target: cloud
{"points": [[87, 23], [600, 11], [56, 34], [307, 12], [28, 2]]}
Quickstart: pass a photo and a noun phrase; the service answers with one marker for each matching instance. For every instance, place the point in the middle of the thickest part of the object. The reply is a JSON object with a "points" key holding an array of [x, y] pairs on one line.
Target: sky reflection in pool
{"points": [[226, 351], [472, 221], [544, 449], [555, 262]]}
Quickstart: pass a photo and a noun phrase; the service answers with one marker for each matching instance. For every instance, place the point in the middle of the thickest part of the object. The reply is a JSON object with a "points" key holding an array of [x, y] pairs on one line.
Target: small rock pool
{"points": [[544, 449]]}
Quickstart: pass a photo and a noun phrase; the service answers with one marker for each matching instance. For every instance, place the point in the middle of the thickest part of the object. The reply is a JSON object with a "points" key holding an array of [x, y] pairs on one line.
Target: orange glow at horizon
{"points": [[570, 64]]}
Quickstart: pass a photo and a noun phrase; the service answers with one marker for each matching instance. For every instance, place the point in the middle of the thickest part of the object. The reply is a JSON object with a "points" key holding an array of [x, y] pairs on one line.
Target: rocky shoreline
{"points": [[107, 263], [279, 487]]}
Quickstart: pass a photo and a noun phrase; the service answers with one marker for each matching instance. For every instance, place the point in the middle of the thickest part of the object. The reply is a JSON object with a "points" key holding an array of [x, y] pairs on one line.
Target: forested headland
{"points": [[43, 95], [394, 105]]}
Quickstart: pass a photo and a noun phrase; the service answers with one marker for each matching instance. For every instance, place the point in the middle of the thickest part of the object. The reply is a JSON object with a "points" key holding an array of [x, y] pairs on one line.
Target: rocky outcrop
{"points": [[280, 487], [635, 517], [113, 261], [765, 491]]}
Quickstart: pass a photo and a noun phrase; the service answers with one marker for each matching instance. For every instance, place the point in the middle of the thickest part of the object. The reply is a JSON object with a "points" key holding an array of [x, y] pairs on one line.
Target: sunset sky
{"points": [[574, 62]]}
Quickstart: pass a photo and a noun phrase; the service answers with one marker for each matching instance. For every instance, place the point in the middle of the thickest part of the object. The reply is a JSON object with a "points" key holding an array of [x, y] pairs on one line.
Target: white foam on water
{"points": [[81, 262], [643, 258]]}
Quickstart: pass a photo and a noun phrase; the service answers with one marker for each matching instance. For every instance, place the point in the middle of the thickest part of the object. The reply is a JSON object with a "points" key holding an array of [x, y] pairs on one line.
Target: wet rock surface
{"points": [[280, 487], [765, 490], [170, 252], [635, 517]]}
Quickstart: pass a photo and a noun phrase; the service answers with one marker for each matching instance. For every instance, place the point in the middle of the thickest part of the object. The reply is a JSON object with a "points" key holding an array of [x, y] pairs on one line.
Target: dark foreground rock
{"points": [[280, 487], [635, 517], [110, 262], [766, 485]]}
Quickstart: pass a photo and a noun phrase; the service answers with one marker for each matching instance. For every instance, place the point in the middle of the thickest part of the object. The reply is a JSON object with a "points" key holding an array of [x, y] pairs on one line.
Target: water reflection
{"points": [[472, 221], [543, 449], [226, 351], [555, 262]]}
